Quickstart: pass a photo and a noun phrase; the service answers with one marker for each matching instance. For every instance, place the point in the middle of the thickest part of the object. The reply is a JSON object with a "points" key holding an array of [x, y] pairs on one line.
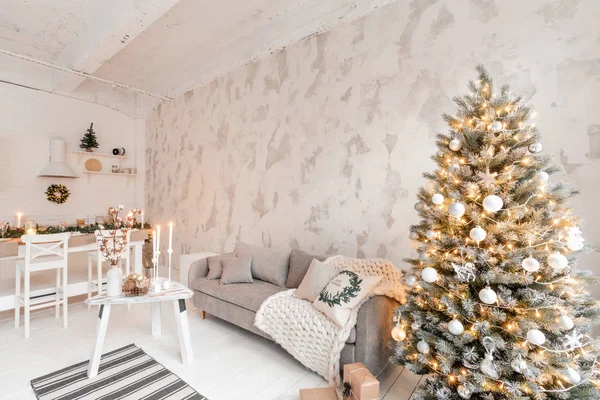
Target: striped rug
{"points": [[126, 373]]}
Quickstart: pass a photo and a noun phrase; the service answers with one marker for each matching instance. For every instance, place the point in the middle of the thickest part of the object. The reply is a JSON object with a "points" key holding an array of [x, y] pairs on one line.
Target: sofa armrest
{"points": [[192, 266], [373, 333]]}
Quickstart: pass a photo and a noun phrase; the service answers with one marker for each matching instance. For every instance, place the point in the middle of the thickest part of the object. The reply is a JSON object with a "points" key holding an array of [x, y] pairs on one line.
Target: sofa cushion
{"points": [[236, 270], [246, 295], [299, 263], [318, 276], [269, 265], [215, 269]]}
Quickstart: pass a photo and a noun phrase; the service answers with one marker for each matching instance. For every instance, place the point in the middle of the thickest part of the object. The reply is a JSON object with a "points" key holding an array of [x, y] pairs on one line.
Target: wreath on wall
{"points": [[57, 193], [346, 294]]}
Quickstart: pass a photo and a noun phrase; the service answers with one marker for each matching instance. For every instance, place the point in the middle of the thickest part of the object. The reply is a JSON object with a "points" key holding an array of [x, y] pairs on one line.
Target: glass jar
{"points": [[30, 228]]}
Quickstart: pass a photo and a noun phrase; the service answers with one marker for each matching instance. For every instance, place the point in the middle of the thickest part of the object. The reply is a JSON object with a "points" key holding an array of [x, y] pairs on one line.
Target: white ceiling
{"points": [[161, 46]]}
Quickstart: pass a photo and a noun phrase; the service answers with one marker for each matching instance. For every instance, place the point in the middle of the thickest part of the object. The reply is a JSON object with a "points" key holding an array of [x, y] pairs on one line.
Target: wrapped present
{"points": [[327, 393], [364, 386]]}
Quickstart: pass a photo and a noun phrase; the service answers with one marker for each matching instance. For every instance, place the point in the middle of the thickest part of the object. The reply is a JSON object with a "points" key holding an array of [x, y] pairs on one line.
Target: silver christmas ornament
{"points": [[535, 148], [410, 280], [413, 235], [488, 366], [455, 145], [456, 209], [419, 206], [487, 295], [415, 326], [455, 327], [423, 347], [430, 234], [437, 199], [453, 168], [464, 391], [398, 334], [478, 234], [496, 126], [536, 337], [530, 264], [518, 364], [565, 323], [543, 176], [492, 203]]}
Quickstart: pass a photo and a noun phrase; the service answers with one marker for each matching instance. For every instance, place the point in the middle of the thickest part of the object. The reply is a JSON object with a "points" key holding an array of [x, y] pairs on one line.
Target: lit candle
{"points": [[170, 235], [153, 246], [19, 215], [158, 238]]}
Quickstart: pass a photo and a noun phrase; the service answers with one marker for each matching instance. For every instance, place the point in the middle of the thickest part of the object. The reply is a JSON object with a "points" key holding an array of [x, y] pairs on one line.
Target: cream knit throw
{"points": [[309, 335]]}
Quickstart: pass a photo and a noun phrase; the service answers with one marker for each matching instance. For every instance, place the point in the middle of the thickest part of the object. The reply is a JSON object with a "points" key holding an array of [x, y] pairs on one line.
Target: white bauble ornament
{"points": [[437, 199], [456, 209], [413, 235], [492, 203], [535, 147], [423, 347], [464, 391], [574, 243], [430, 186], [411, 280], [414, 244], [455, 327], [530, 264], [419, 206], [543, 176], [496, 126], [565, 323], [398, 334], [455, 145], [454, 168], [478, 234], [536, 337], [487, 295], [571, 376], [429, 275], [519, 365], [415, 326], [430, 234], [557, 261]]}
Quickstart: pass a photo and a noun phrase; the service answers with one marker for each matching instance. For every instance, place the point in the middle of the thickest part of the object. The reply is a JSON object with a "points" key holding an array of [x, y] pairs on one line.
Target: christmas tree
{"points": [[89, 140], [497, 308]]}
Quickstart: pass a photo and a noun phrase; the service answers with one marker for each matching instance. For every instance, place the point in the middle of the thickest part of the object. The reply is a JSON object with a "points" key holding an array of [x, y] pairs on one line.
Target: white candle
{"points": [[142, 213], [153, 245], [158, 237], [19, 215], [170, 235]]}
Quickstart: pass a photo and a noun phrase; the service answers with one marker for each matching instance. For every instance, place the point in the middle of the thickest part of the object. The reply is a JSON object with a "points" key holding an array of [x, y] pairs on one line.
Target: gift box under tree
{"points": [[359, 383]]}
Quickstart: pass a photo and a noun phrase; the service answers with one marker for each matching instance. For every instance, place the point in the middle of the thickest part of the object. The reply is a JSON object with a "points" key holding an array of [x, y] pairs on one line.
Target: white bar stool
{"points": [[42, 252]]}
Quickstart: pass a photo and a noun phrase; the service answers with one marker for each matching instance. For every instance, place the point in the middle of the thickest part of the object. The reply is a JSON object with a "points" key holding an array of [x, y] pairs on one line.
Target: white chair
{"points": [[42, 252], [98, 258]]}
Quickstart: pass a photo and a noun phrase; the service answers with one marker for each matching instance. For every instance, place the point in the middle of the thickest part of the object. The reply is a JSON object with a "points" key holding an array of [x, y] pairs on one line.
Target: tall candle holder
{"points": [[167, 283]]}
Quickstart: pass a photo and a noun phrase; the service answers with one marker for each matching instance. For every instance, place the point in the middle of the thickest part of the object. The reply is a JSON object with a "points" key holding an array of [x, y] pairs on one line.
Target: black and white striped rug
{"points": [[126, 373]]}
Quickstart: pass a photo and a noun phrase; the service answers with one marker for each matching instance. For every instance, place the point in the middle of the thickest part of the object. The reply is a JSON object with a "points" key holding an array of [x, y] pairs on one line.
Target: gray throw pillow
{"points": [[318, 276], [214, 265], [299, 263], [269, 265], [236, 270]]}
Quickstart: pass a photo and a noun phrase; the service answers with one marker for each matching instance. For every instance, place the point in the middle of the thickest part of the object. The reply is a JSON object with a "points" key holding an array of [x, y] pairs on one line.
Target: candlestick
{"points": [[170, 235], [167, 283], [142, 214], [154, 248], [157, 248], [19, 215]]}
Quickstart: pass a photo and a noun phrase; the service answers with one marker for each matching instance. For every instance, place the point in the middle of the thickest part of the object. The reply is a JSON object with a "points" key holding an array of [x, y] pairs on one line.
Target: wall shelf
{"points": [[94, 154], [92, 173]]}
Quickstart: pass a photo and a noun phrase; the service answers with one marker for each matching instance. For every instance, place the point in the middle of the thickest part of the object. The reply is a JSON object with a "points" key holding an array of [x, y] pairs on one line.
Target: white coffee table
{"points": [[176, 294]]}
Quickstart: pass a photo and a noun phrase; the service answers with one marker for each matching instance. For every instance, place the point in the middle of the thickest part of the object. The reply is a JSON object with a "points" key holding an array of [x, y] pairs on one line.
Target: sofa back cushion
{"points": [[236, 270], [269, 265], [299, 263], [214, 265]]}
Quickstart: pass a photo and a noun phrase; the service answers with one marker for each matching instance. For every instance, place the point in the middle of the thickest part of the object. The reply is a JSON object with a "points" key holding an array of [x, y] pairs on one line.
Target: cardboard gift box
{"points": [[327, 393], [364, 385]]}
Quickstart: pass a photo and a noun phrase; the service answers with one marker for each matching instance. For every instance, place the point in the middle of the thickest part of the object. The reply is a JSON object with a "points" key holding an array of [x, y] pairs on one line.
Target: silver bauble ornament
{"points": [[415, 326], [430, 234], [455, 144], [530, 264], [489, 368], [543, 176], [398, 334], [419, 206], [496, 126], [565, 323], [464, 391], [455, 327], [535, 148], [478, 234], [453, 168], [423, 347], [437, 199], [571, 376], [557, 261], [456, 209], [429, 275], [492, 203], [413, 235], [536, 337], [487, 295], [410, 280], [518, 364], [430, 186]]}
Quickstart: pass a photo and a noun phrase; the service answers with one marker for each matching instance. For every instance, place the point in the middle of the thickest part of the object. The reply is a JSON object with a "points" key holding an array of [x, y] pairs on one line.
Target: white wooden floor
{"points": [[231, 363]]}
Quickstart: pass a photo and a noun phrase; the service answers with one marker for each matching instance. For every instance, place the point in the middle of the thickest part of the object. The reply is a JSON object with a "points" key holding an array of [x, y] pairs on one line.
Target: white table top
{"points": [[175, 292]]}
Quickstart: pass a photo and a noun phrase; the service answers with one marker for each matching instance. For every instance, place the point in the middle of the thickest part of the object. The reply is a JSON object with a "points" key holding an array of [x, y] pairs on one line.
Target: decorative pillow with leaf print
{"points": [[343, 293]]}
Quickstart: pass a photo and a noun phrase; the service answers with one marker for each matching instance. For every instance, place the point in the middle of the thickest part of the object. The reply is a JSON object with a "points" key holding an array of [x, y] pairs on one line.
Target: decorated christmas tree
{"points": [[497, 307], [89, 140]]}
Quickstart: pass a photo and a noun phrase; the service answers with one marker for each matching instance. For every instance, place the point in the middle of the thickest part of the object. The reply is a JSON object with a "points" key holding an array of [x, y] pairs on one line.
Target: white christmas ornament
{"points": [[530, 264], [430, 186], [487, 295], [464, 273], [411, 280], [492, 203], [487, 365], [429, 275], [413, 235], [454, 168], [573, 340], [536, 337], [464, 391], [455, 145], [423, 347], [543, 176], [535, 147], [430, 234], [518, 364], [456, 327], [496, 126], [574, 238], [456, 209], [415, 326], [571, 376], [437, 199], [557, 261], [478, 234], [565, 323], [398, 334]]}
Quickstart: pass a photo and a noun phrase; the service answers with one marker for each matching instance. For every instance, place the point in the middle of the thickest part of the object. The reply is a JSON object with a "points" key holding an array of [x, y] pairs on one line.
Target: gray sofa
{"points": [[238, 303]]}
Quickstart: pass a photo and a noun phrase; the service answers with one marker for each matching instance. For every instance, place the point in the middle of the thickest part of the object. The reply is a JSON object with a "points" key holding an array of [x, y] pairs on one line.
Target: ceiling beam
{"points": [[110, 26]]}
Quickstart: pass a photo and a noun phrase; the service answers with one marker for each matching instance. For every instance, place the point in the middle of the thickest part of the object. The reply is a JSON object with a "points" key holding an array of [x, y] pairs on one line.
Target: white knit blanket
{"points": [[306, 333]]}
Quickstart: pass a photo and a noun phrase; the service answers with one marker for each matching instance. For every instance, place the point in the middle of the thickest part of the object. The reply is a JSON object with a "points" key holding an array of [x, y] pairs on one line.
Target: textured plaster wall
{"points": [[321, 146]]}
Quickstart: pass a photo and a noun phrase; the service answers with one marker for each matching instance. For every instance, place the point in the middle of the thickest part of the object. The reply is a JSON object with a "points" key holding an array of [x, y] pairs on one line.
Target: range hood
{"points": [[57, 168]]}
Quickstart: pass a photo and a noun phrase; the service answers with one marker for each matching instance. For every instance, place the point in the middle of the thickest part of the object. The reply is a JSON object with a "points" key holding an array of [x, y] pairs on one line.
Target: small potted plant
{"points": [[89, 141]]}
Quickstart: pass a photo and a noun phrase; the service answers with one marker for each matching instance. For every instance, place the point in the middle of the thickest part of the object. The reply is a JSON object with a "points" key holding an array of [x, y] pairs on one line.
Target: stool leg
{"points": [[17, 297], [127, 274], [26, 301], [57, 296], [99, 276], [89, 279], [65, 296]]}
